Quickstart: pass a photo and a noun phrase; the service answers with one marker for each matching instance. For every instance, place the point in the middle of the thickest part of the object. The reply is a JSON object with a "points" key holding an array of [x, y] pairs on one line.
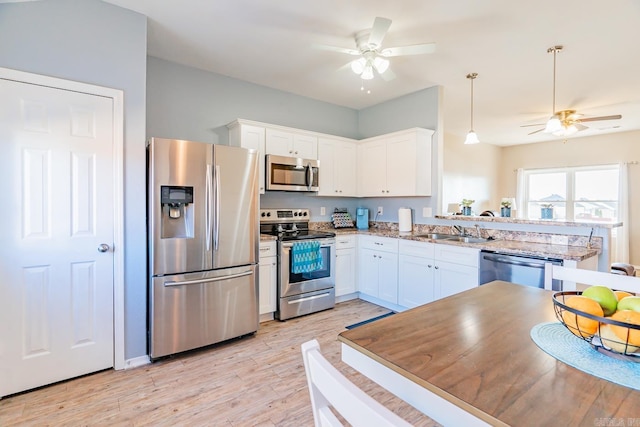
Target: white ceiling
{"points": [[271, 43]]}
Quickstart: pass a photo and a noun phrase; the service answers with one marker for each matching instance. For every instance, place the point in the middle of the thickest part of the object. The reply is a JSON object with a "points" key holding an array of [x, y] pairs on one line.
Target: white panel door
{"points": [[57, 233]]}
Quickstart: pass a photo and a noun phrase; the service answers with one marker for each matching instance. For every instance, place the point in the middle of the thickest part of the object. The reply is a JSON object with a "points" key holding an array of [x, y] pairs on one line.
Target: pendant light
{"points": [[554, 125], [472, 138]]}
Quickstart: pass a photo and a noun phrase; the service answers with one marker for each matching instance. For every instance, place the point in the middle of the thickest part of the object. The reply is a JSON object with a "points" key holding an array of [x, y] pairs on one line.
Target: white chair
{"points": [[572, 276], [329, 388]]}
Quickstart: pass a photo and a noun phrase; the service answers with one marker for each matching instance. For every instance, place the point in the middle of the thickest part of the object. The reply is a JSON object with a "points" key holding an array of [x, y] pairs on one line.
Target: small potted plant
{"points": [[546, 211], [466, 206], [505, 208]]}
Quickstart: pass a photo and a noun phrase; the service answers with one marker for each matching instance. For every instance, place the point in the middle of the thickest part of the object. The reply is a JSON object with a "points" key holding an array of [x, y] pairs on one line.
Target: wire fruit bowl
{"points": [[603, 341]]}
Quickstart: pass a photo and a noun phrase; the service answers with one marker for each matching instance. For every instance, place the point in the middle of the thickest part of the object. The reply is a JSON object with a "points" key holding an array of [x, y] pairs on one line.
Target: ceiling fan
{"points": [[372, 57], [565, 122]]}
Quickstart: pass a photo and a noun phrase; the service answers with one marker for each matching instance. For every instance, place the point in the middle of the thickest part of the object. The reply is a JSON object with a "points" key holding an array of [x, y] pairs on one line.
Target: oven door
{"points": [[290, 284]]}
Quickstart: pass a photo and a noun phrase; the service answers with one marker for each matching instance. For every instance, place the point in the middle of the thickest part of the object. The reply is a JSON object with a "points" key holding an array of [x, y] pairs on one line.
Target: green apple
{"points": [[603, 296], [629, 303]]}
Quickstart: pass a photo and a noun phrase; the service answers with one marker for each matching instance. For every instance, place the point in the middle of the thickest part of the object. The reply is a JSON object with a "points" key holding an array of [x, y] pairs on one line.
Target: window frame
{"points": [[570, 173]]}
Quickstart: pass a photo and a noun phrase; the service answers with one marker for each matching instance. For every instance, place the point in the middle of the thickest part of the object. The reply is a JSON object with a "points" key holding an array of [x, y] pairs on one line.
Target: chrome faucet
{"points": [[477, 226], [459, 229]]}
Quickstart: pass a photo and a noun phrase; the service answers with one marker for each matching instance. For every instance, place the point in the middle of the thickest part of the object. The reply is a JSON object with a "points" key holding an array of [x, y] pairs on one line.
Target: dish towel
{"points": [[306, 257]]}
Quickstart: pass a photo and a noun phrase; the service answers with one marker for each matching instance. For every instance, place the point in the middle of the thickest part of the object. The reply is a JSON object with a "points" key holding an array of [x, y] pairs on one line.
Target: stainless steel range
{"points": [[306, 292]]}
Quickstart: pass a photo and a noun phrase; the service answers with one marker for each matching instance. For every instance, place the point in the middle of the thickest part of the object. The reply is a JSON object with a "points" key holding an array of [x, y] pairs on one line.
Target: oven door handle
{"points": [[323, 243]]}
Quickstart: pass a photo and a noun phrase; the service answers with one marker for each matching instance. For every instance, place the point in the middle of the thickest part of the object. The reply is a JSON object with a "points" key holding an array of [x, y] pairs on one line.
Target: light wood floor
{"points": [[254, 381]]}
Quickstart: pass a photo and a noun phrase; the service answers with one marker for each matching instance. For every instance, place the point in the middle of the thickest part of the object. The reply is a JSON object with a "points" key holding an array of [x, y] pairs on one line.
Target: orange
{"points": [[579, 325], [613, 342], [622, 294], [627, 316]]}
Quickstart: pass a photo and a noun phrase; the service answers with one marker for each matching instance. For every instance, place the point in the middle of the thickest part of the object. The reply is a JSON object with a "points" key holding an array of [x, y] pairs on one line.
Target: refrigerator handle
{"points": [[208, 209], [208, 280], [216, 219]]}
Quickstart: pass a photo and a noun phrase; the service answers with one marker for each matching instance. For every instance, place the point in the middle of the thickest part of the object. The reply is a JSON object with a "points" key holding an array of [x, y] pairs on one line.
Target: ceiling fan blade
{"points": [[580, 127], [535, 124], [416, 49], [379, 30], [535, 131], [388, 75], [595, 119], [336, 49]]}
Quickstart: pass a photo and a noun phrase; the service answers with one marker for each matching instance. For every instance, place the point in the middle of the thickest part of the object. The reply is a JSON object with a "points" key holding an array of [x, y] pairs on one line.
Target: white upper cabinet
{"points": [[291, 144], [252, 137], [338, 167], [395, 165]]}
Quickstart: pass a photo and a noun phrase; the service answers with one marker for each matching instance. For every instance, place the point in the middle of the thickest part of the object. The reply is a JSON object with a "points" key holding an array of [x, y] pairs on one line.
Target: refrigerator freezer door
{"points": [[195, 310], [235, 210], [178, 163]]}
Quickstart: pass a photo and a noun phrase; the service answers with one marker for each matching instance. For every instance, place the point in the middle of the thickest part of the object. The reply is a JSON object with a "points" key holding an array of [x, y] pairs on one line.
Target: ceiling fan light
{"points": [[367, 74], [566, 131], [357, 65], [472, 138], [381, 65], [553, 125]]}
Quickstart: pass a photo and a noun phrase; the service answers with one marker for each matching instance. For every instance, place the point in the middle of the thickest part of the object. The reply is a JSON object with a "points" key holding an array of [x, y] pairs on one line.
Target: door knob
{"points": [[103, 247]]}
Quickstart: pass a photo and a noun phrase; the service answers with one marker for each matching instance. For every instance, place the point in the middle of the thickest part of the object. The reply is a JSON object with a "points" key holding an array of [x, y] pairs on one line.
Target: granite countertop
{"points": [[511, 247], [552, 222]]}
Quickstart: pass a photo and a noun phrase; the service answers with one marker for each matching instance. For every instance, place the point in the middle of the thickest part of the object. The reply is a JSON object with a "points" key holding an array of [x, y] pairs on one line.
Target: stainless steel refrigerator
{"points": [[202, 202]]}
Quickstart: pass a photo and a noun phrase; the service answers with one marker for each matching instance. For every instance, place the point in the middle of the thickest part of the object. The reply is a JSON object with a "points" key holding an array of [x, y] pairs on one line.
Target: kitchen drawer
{"points": [[385, 244], [413, 248], [345, 241], [457, 254], [267, 249]]}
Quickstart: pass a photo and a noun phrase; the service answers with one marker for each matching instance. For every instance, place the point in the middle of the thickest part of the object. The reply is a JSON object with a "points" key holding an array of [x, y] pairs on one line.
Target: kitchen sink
{"points": [[437, 236], [453, 238], [468, 239]]}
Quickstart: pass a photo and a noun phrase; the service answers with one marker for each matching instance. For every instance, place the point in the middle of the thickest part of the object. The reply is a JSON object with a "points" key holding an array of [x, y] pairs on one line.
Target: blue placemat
{"points": [[556, 340]]}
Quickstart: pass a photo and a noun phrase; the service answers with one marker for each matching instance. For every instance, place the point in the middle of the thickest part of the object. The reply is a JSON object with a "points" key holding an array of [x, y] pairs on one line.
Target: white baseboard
{"points": [[136, 362]]}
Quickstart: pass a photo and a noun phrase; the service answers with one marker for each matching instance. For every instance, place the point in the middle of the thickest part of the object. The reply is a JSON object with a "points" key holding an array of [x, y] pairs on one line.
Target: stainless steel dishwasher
{"points": [[520, 269]]}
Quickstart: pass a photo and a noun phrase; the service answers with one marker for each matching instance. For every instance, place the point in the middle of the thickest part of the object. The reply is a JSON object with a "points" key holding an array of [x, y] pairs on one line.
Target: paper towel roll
{"points": [[404, 219]]}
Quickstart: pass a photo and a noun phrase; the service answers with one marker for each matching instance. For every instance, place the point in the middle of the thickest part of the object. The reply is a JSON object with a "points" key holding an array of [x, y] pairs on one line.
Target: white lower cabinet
{"points": [[456, 269], [429, 271], [416, 268], [346, 265], [267, 270], [378, 267]]}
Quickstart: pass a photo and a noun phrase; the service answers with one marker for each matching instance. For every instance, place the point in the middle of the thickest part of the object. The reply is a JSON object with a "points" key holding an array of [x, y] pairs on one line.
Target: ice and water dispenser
{"points": [[177, 211]]}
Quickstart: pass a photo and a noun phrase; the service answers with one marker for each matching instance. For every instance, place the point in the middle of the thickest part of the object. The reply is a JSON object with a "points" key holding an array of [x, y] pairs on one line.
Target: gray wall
{"points": [[187, 103], [94, 42], [418, 109]]}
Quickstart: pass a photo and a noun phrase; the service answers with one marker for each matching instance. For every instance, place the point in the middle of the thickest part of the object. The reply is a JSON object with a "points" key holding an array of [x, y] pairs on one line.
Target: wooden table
{"points": [[469, 360]]}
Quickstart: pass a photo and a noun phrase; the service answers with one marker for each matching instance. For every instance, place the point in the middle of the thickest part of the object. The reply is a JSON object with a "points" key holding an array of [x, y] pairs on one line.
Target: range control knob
{"points": [[304, 213]]}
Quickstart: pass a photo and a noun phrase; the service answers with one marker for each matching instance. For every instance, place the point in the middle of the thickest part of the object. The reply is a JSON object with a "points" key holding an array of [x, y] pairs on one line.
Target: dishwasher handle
{"points": [[509, 260]]}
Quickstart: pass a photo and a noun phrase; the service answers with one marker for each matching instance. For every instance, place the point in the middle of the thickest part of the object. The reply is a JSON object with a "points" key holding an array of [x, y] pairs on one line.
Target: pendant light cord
{"points": [[555, 50], [472, 77]]}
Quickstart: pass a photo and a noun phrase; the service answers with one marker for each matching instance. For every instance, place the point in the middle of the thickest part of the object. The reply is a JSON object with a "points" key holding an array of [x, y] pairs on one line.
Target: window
{"points": [[584, 193]]}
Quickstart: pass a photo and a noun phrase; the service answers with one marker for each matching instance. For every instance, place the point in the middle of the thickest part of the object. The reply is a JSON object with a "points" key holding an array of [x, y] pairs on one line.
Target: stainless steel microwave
{"points": [[291, 173]]}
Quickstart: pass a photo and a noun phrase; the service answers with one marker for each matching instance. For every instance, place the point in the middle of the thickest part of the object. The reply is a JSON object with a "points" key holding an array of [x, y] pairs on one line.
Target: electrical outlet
{"points": [[379, 210], [323, 211]]}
